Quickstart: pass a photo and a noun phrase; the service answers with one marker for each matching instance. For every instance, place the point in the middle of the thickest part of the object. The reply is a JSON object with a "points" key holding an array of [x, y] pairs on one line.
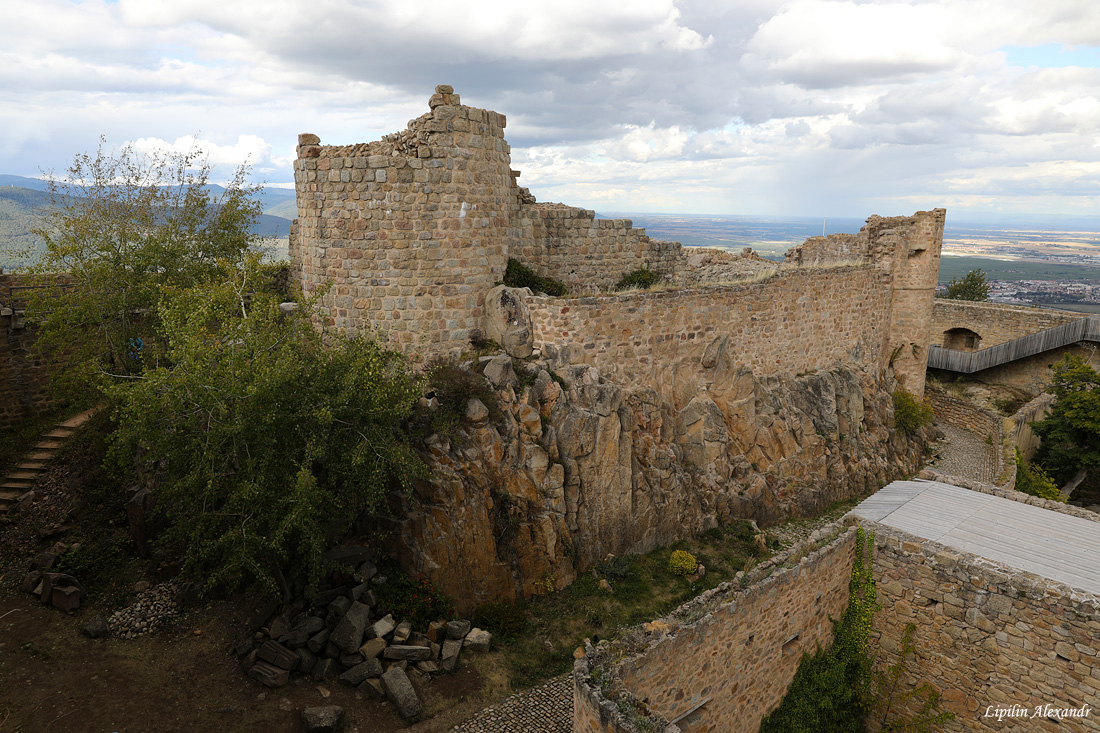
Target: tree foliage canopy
{"points": [[122, 227], [265, 439], [972, 286], [269, 440], [1071, 432]]}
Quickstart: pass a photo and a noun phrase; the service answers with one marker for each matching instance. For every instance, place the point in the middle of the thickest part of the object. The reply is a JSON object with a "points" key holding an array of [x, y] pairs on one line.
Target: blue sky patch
{"points": [[1053, 55]]}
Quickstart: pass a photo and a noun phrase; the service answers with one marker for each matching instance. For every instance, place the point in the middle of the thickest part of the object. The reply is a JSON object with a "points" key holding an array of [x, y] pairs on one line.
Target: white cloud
{"points": [[761, 106]]}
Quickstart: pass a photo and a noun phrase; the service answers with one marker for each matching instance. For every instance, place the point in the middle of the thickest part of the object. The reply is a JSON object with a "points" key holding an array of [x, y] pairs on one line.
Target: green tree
{"points": [[972, 286], [1070, 448], [269, 437], [121, 227]]}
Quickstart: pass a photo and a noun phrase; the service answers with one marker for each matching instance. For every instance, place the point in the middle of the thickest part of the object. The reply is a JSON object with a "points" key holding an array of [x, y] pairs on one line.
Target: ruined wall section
{"points": [[798, 321], [996, 323], [987, 635], [725, 659], [906, 251], [573, 246], [412, 230], [24, 375]]}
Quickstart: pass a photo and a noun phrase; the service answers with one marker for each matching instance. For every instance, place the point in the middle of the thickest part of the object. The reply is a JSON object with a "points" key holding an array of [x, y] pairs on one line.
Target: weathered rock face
{"points": [[566, 476]]}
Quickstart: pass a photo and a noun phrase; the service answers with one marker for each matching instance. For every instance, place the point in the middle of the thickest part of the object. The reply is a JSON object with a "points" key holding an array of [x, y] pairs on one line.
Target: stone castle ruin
{"points": [[744, 388]]}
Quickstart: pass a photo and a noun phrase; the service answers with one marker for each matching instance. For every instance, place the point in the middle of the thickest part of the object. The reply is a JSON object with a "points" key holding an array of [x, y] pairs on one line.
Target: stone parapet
{"points": [[994, 323]]}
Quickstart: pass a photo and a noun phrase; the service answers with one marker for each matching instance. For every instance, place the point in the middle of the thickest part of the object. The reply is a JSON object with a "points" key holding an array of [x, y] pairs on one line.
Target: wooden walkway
{"points": [[1057, 546], [968, 362]]}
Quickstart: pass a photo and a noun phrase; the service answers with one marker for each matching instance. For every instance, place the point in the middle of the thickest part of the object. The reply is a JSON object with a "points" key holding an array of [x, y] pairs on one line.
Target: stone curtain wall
{"points": [[571, 245], [412, 230], [833, 248], [987, 635], [738, 658], [994, 322], [799, 321]]}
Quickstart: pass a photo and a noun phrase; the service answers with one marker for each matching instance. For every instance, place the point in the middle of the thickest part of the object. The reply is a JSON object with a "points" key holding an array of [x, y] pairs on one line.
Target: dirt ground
{"points": [[185, 676]]}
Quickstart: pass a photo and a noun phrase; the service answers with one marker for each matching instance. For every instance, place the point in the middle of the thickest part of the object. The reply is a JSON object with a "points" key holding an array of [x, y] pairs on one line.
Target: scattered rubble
{"points": [[342, 633], [145, 614]]}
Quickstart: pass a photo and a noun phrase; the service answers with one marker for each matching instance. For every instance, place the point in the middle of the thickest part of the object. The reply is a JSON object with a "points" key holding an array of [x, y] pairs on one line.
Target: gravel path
{"points": [[547, 708], [963, 454]]}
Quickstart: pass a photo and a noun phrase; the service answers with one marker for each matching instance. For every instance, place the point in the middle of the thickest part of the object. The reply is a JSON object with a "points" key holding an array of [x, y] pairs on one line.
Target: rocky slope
{"points": [[522, 504]]}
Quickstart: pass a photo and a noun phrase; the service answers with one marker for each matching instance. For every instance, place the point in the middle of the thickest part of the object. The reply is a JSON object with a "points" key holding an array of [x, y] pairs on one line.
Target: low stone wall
{"points": [[1023, 437], [778, 325], [573, 246], [727, 658], [995, 323], [987, 636]]}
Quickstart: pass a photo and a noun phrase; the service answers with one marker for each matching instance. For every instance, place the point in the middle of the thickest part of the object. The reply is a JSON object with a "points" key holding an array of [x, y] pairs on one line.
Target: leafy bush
{"points": [[640, 278], [972, 286], [506, 619], [271, 440], [910, 414], [413, 599], [518, 275], [1070, 450], [1033, 480], [681, 562]]}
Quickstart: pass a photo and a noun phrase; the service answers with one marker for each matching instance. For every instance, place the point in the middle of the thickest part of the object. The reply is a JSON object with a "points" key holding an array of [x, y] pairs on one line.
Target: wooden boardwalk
{"points": [[968, 362], [1054, 545]]}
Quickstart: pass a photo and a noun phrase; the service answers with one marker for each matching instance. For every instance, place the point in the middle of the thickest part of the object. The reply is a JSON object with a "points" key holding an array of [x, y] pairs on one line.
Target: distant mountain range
{"points": [[24, 201]]}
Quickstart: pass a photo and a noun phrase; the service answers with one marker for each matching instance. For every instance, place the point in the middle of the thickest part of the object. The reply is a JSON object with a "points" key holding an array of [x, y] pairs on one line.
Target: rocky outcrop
{"points": [[568, 475]]}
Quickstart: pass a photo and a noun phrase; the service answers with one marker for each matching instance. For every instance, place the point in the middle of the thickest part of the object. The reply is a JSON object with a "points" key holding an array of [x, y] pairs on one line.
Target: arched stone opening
{"points": [[961, 339]]}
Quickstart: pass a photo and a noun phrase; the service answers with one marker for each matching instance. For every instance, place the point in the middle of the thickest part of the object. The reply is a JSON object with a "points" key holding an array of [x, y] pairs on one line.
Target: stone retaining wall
{"points": [[726, 658], [987, 636], [797, 321], [1023, 437]]}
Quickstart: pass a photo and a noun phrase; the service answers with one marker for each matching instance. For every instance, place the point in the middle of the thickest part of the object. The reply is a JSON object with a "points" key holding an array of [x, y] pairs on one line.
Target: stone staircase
{"points": [[17, 484]]}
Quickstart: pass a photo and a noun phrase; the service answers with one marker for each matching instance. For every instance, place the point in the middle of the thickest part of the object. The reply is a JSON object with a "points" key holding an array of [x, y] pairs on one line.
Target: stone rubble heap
{"points": [[341, 632], [60, 590], [143, 616]]}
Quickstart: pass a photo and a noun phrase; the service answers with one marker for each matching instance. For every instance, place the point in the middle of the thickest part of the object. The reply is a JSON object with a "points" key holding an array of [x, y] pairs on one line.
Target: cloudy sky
{"points": [[785, 107]]}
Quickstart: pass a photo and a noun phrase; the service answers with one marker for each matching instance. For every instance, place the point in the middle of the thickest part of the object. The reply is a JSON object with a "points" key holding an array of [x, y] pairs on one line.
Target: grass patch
{"points": [[537, 637], [519, 275]]}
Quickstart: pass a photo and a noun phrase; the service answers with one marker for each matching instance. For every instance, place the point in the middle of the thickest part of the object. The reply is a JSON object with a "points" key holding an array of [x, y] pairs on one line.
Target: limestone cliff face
{"points": [[566, 476]]}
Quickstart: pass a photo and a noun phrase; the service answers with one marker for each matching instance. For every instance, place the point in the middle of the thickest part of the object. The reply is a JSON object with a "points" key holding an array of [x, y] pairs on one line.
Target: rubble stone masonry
{"points": [[995, 323], [988, 636], [798, 321], [412, 230]]}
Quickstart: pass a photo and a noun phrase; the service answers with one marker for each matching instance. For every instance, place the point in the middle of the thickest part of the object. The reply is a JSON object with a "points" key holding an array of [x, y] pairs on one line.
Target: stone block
{"points": [[381, 627], [269, 675], [322, 719], [348, 634], [458, 629], [318, 641], [411, 653], [448, 657], [278, 655], [323, 670], [400, 692], [372, 648], [478, 640], [358, 674], [66, 599]]}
